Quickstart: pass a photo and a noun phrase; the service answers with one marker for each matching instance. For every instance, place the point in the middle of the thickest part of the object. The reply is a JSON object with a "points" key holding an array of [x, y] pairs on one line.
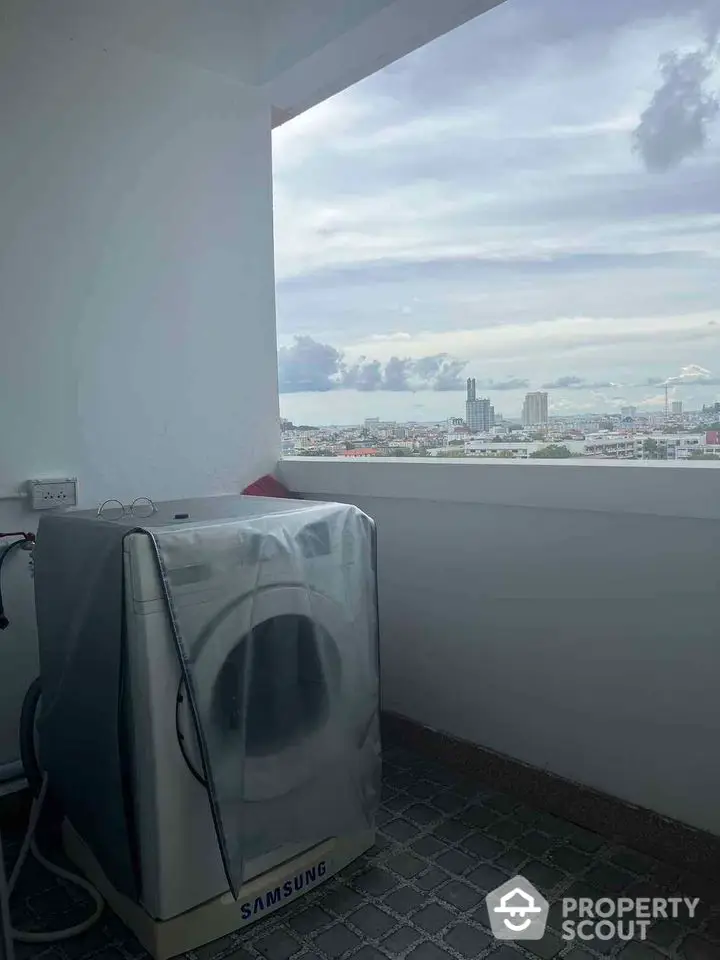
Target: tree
{"points": [[398, 452], [553, 451], [319, 452], [651, 449]]}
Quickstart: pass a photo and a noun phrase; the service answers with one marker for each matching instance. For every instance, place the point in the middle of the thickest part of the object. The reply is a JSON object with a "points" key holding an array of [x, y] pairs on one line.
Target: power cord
{"points": [[25, 542], [30, 846], [39, 785]]}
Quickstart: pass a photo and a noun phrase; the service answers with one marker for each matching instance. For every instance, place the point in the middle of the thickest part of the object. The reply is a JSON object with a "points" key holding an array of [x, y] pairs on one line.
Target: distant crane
{"points": [[667, 409]]}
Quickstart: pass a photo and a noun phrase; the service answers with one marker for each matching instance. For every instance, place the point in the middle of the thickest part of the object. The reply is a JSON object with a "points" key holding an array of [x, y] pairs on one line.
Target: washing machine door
{"points": [[285, 691]]}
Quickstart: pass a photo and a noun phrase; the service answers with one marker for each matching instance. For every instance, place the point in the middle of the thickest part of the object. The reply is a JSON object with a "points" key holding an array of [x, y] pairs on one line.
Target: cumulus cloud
{"points": [[694, 373], [308, 366], [675, 123]]}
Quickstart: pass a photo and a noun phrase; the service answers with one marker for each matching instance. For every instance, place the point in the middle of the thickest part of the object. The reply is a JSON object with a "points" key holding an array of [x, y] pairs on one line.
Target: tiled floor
{"points": [[443, 842]]}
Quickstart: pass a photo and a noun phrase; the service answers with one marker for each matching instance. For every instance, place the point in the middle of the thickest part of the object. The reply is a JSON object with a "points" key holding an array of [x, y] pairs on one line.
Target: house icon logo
{"points": [[517, 911]]}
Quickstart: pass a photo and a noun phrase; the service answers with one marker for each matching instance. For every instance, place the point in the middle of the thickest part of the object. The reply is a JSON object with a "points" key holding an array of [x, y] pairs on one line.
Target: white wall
{"points": [[137, 334], [565, 615]]}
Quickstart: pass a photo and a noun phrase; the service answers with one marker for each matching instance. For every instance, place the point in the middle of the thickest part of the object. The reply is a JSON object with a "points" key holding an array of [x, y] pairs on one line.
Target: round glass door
{"points": [[275, 686]]}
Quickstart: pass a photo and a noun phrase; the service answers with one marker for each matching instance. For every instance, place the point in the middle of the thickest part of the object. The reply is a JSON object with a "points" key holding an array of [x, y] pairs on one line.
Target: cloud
{"points": [[312, 367], [694, 373], [578, 383], [675, 123], [364, 375], [308, 366], [564, 383], [513, 383]]}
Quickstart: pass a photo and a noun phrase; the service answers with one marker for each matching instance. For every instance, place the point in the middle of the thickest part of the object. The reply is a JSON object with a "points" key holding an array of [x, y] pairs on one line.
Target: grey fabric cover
{"points": [[281, 674]]}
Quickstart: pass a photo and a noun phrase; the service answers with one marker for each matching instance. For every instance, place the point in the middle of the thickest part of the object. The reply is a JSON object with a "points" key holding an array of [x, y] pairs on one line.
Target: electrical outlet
{"points": [[46, 494]]}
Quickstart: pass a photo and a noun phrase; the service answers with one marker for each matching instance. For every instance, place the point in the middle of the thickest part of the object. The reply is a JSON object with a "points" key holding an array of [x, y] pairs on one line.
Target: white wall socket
{"points": [[46, 494]]}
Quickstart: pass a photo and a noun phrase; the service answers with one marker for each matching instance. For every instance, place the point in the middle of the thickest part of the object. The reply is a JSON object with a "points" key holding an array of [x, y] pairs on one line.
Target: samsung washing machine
{"points": [[210, 718]]}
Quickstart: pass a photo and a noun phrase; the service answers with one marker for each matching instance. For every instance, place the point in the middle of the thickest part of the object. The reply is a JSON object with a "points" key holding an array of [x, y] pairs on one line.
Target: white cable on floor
{"points": [[29, 846]]}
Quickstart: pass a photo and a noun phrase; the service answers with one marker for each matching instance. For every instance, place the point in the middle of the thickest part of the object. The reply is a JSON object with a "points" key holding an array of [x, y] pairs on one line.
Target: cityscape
{"points": [[670, 433]]}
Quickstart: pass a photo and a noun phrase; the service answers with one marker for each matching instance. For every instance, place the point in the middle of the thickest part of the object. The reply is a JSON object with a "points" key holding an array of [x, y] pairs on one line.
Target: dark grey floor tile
{"points": [[580, 889], [577, 954], [544, 877], [456, 862], [640, 951], [433, 918], [401, 940], [449, 802], [374, 881], [424, 789], [460, 895], [584, 839], [310, 920], [487, 877], [507, 829], [477, 816], [697, 948], [547, 948], [631, 860], [433, 878], [511, 860], [481, 846], [502, 802], [569, 859], [610, 879], [421, 813], [428, 846], [451, 830], [277, 946], [382, 817], [364, 953], [664, 933], [382, 843], [406, 865], [400, 829], [506, 952], [467, 940], [341, 899], [404, 900], [373, 921], [535, 843], [397, 803], [428, 951], [337, 940], [404, 781], [548, 823], [242, 954]]}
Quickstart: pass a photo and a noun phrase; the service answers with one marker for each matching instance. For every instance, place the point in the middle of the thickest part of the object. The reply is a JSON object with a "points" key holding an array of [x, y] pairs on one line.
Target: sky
{"points": [[532, 200]]}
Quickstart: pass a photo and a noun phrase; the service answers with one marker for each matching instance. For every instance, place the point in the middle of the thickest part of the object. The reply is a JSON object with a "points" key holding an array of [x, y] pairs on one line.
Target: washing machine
{"points": [[210, 704]]}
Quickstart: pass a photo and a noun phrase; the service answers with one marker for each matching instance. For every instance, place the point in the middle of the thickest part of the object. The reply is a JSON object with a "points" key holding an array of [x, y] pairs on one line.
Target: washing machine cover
{"points": [[320, 652]]}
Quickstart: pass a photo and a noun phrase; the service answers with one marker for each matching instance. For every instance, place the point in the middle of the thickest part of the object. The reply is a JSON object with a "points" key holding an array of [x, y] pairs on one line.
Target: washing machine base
{"points": [[223, 915]]}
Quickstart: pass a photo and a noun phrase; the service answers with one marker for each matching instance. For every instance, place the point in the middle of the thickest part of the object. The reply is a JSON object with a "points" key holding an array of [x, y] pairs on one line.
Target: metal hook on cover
{"points": [[140, 507], [149, 506], [102, 506]]}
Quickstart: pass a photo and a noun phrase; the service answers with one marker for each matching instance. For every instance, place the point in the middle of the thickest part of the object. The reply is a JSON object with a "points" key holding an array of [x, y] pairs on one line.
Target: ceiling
{"points": [[298, 52]]}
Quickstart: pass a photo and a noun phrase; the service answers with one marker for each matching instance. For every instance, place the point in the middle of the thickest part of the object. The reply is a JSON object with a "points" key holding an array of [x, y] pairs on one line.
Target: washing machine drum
{"points": [[268, 680]]}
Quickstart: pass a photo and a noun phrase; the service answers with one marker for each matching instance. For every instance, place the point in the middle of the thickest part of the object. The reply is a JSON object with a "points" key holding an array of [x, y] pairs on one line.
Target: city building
{"points": [[479, 412], [628, 411], [535, 409], [677, 408]]}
